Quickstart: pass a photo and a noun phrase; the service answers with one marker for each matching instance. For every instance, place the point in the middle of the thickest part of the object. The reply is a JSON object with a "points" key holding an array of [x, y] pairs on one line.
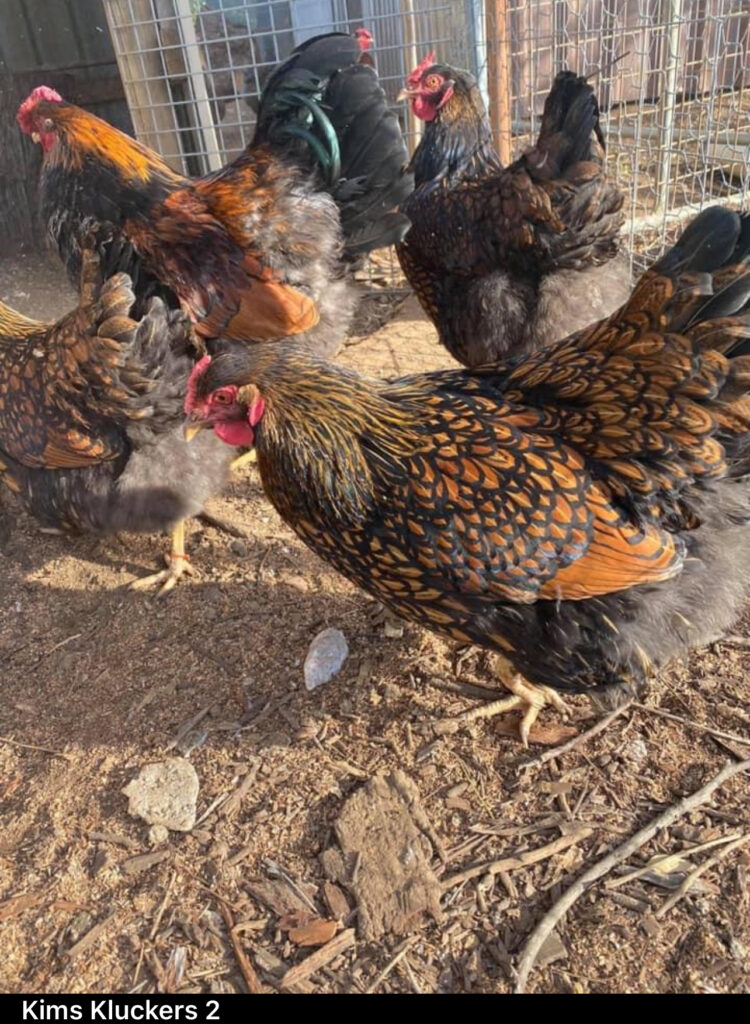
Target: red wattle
{"points": [[237, 433]]}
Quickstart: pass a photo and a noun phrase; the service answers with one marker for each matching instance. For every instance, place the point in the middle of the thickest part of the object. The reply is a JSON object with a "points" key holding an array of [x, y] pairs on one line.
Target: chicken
{"points": [[505, 260], [258, 250], [91, 418], [583, 511]]}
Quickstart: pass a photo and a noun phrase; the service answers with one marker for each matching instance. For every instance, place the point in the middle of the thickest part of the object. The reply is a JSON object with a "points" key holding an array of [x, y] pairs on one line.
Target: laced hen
{"points": [[91, 416], [506, 259], [583, 511], [260, 249]]}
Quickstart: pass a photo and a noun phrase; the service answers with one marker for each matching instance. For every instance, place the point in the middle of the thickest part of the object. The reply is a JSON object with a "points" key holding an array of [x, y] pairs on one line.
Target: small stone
{"points": [[325, 656], [636, 751], [393, 629], [238, 547], [165, 793], [157, 835], [298, 583]]}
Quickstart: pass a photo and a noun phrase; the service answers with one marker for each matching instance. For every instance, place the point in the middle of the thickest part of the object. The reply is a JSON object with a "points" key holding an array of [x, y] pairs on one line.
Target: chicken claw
{"points": [[528, 696], [178, 565]]}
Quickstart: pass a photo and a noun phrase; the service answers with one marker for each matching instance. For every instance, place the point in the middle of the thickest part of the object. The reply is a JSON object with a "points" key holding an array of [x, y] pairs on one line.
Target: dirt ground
{"points": [[99, 681]]}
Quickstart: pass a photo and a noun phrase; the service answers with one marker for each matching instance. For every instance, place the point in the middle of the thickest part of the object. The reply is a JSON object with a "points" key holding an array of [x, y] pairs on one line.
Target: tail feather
{"points": [[326, 110], [569, 120]]}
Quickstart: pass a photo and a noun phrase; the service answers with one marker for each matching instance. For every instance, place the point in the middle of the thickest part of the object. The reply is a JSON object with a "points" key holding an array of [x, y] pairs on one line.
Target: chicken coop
{"points": [[673, 80]]}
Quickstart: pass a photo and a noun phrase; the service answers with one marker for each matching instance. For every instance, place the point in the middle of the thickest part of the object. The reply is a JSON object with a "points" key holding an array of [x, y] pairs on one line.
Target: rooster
{"points": [[583, 511], [258, 250], [91, 417], [504, 260]]}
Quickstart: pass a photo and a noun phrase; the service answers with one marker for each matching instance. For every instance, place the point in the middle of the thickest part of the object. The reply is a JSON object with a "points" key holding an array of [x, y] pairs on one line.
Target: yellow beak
{"points": [[36, 137], [405, 94], [194, 427]]}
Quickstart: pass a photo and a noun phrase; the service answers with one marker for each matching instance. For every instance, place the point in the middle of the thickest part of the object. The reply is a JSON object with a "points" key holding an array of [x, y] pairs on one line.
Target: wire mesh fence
{"points": [[673, 78]]}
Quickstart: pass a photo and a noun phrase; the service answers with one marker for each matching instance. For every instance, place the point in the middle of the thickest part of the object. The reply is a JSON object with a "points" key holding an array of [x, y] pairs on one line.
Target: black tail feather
{"points": [[351, 130], [570, 117]]}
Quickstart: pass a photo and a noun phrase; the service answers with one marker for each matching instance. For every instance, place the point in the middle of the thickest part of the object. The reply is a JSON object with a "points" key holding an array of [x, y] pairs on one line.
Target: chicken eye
{"points": [[222, 398], [48, 125], [433, 81]]}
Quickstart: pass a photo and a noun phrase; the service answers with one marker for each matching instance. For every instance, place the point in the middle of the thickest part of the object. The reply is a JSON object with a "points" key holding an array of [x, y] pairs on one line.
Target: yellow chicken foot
{"points": [[243, 460], [528, 696], [178, 565], [533, 697]]}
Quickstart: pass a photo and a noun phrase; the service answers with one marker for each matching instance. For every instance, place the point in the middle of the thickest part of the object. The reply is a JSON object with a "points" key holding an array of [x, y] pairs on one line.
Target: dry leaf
{"points": [[315, 933], [549, 735]]}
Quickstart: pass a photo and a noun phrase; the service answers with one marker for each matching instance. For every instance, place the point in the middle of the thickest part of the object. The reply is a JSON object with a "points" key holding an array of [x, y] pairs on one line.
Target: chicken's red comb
{"points": [[365, 38], [416, 75], [191, 397], [42, 93]]}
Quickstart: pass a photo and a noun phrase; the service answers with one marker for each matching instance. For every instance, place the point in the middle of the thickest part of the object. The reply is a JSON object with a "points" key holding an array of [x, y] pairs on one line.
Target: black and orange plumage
{"points": [[505, 259], [258, 250], [584, 511], [91, 414]]}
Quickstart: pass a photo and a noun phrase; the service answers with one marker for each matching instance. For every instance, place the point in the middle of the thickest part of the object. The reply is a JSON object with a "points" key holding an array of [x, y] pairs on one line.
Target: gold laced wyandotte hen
{"points": [[584, 511], [505, 259], [91, 416]]}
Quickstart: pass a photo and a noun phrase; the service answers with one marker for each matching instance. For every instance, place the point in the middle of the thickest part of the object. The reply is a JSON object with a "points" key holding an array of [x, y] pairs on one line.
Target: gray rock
{"points": [[325, 656], [165, 793]]}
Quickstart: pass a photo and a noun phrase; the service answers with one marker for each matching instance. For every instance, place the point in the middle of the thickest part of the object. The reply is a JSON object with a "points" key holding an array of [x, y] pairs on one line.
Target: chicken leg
{"points": [[178, 565], [529, 696], [247, 458]]}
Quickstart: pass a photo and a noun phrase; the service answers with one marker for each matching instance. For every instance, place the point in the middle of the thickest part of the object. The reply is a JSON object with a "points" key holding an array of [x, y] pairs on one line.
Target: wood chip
{"points": [[314, 933], [387, 845], [15, 906], [546, 735], [320, 958], [233, 803], [112, 837], [277, 895], [552, 950], [134, 865], [336, 901], [89, 938]]}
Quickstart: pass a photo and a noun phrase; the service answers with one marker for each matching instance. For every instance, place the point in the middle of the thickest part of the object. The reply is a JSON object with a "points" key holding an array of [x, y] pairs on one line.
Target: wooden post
{"points": [[138, 57], [498, 76], [410, 39]]}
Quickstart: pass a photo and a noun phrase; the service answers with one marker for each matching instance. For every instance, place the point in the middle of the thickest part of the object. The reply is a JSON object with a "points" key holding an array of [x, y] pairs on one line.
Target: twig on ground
{"points": [[190, 724], [523, 860], [33, 746], [558, 910], [252, 980], [631, 876], [695, 875], [731, 736], [400, 953], [221, 799], [600, 726], [320, 958], [89, 938], [162, 908], [223, 525]]}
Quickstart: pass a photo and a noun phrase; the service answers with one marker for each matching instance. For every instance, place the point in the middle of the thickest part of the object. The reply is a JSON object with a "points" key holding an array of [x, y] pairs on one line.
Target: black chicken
{"points": [[504, 260], [584, 511]]}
